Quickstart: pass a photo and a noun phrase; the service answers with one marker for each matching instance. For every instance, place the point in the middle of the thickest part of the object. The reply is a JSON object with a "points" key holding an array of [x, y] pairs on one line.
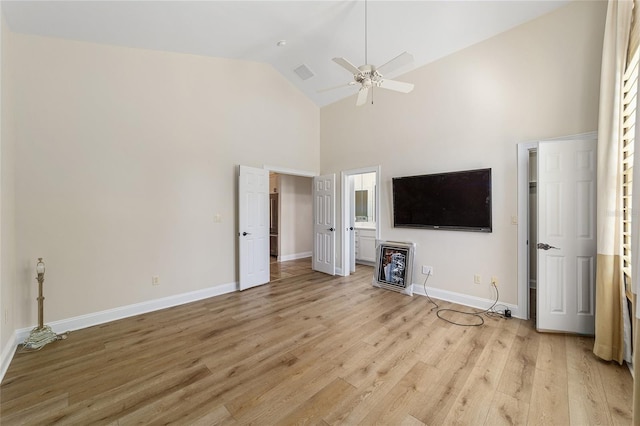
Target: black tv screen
{"points": [[453, 201]]}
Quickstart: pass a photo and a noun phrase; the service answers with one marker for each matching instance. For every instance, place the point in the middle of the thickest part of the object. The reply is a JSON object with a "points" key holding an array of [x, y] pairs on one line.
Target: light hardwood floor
{"points": [[313, 349]]}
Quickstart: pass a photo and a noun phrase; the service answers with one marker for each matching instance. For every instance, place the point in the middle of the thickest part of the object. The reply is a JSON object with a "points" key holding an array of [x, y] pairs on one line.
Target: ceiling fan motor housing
{"points": [[368, 76]]}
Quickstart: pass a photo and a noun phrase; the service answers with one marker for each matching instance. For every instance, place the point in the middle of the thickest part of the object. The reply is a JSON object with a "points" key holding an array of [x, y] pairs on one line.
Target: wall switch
{"points": [[477, 279], [155, 280], [514, 220], [217, 218], [427, 270]]}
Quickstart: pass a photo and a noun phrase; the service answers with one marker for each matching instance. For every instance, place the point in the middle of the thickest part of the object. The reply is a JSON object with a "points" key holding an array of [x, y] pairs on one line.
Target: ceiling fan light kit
{"points": [[369, 76]]}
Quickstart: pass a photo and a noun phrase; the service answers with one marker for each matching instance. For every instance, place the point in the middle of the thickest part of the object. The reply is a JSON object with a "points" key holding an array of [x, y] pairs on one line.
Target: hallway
{"points": [[290, 268]]}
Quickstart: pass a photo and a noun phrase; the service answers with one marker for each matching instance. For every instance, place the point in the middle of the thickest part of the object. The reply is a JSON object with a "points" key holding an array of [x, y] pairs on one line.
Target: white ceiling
{"points": [[315, 31]]}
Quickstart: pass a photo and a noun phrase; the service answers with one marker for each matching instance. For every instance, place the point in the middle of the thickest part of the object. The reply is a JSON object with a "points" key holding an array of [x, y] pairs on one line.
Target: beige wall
{"points": [[7, 217], [123, 158], [296, 216], [467, 111]]}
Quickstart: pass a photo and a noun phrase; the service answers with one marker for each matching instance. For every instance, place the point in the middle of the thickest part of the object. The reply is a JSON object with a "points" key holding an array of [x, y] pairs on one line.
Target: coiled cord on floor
{"points": [[490, 311]]}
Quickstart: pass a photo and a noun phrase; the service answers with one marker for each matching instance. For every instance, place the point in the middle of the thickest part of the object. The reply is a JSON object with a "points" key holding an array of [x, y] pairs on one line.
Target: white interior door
{"points": [[566, 236], [253, 232], [324, 224]]}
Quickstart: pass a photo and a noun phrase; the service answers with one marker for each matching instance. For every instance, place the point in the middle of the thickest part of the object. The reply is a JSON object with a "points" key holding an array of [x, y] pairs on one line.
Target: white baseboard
{"points": [[89, 320], [463, 299], [295, 256], [7, 355]]}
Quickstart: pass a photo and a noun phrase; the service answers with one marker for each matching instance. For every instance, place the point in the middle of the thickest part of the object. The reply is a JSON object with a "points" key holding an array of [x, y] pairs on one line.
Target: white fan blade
{"points": [[351, 83], [398, 86], [362, 96], [399, 61], [347, 65]]}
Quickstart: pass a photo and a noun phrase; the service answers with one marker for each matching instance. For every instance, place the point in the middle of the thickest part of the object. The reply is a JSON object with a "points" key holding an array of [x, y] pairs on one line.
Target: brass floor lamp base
{"points": [[39, 337]]}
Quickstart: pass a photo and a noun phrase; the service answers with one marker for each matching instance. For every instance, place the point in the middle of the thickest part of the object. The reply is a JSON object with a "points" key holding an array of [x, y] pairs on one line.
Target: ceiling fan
{"points": [[369, 76]]}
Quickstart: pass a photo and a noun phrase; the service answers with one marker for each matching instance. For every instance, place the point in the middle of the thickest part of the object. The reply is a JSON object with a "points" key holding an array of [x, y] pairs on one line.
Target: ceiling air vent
{"points": [[304, 72]]}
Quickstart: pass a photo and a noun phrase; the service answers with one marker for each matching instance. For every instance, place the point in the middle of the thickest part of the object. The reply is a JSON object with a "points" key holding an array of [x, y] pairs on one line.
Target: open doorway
{"points": [[361, 215], [290, 225], [533, 232]]}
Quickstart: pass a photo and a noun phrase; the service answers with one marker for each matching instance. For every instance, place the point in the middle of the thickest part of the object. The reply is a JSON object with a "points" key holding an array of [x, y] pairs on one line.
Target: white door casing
{"points": [[567, 236], [324, 224], [253, 232], [351, 225]]}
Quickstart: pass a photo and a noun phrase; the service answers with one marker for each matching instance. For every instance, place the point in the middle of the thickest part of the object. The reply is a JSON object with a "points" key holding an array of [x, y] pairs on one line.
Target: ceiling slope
{"points": [[314, 31]]}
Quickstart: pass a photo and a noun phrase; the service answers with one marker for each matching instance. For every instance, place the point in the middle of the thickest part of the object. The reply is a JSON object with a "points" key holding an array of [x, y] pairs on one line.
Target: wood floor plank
{"points": [[454, 338], [549, 399], [447, 384], [517, 377], [312, 410], [507, 410], [409, 420], [125, 399], [474, 400], [373, 387], [231, 382], [284, 392], [34, 412], [333, 344], [617, 381], [390, 351], [552, 353], [244, 363], [455, 365], [218, 416], [195, 402], [586, 393], [407, 392], [313, 349]]}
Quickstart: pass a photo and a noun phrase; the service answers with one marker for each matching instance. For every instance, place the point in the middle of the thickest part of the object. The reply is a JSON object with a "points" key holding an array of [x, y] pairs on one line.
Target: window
{"points": [[628, 141]]}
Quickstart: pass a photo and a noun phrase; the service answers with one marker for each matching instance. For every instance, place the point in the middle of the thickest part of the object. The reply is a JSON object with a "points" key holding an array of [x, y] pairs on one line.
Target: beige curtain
{"points": [[636, 362], [609, 343]]}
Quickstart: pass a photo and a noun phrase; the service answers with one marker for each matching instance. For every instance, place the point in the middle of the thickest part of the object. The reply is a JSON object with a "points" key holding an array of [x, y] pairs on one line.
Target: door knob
{"points": [[244, 234], [351, 228], [331, 229], [545, 246]]}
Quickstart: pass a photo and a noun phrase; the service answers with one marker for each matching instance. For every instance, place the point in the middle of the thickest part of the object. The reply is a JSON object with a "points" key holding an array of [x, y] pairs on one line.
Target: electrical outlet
{"points": [[494, 280], [477, 279], [427, 270], [155, 280]]}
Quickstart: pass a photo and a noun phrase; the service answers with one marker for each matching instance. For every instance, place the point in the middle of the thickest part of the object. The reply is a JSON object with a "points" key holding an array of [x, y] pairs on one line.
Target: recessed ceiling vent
{"points": [[304, 72]]}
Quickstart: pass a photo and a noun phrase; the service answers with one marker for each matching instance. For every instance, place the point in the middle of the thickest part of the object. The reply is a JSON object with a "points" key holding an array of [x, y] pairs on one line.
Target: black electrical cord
{"points": [[489, 311]]}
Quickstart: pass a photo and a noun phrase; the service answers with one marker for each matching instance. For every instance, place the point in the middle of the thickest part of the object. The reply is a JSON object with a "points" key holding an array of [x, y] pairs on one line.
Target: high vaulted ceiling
{"points": [[314, 31]]}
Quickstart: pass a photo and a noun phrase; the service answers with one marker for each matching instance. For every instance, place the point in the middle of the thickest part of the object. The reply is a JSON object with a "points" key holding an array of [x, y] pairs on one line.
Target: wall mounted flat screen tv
{"points": [[452, 201]]}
